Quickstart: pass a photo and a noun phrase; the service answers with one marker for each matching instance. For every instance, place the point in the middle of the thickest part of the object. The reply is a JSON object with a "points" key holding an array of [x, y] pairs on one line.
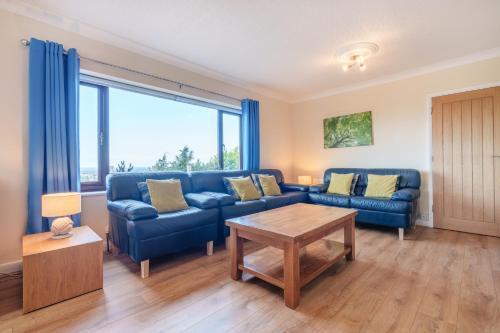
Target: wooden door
{"points": [[466, 161]]}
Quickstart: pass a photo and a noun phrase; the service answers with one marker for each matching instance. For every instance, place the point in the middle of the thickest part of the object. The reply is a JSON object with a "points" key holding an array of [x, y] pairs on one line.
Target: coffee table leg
{"points": [[291, 267], [349, 239], [235, 253]]}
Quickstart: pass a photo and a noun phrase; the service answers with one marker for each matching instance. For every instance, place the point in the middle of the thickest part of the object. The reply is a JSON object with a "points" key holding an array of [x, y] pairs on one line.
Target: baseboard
{"points": [[11, 267], [424, 223]]}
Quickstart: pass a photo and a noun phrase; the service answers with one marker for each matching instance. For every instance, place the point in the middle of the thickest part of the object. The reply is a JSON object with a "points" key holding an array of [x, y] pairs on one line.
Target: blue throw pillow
{"points": [[143, 188], [229, 187]]}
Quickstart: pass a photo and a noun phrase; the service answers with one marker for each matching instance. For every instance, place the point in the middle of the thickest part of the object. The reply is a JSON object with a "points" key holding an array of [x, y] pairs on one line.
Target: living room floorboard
{"points": [[433, 281]]}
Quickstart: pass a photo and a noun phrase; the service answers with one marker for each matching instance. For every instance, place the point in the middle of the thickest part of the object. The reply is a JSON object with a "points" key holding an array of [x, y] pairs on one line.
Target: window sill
{"points": [[93, 193]]}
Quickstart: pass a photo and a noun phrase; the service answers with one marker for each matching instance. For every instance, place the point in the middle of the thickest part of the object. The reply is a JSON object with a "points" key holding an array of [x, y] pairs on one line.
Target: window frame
{"points": [[220, 136], [103, 85], [102, 139]]}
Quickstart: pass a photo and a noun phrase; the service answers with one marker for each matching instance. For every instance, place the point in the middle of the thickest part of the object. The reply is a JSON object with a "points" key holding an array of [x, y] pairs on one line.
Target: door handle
{"points": [[497, 156]]}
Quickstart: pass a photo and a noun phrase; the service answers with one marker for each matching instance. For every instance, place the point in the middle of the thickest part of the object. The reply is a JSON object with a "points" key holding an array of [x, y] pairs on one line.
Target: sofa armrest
{"points": [[201, 201], [287, 187], [132, 210], [406, 194], [321, 188]]}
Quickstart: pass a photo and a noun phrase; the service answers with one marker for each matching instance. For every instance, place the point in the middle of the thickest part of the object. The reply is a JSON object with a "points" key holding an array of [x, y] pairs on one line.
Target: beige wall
{"points": [[275, 120], [401, 123], [291, 135]]}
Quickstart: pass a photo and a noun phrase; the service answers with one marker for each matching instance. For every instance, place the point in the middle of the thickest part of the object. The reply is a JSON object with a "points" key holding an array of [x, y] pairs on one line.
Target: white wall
{"points": [[401, 123], [275, 120]]}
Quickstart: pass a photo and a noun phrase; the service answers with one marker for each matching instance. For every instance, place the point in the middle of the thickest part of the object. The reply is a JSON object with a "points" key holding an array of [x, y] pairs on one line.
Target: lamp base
{"points": [[69, 234], [61, 228]]}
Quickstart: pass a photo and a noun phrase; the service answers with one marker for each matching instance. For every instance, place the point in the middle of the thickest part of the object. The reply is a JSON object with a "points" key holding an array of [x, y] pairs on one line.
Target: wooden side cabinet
{"points": [[56, 270]]}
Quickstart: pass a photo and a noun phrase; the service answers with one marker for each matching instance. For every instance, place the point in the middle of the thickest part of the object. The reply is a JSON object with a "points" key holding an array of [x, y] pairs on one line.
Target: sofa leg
{"points": [[227, 243], [144, 269], [210, 248], [401, 233]]}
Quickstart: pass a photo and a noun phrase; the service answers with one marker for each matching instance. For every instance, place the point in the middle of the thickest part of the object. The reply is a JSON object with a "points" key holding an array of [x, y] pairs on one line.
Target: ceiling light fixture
{"points": [[356, 54]]}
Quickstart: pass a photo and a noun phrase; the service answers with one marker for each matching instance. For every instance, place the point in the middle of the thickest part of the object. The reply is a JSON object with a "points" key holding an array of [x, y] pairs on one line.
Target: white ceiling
{"points": [[286, 46]]}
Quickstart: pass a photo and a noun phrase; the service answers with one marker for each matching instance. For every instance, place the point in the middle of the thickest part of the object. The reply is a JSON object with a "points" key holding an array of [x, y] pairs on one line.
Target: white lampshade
{"points": [[61, 204], [305, 180]]}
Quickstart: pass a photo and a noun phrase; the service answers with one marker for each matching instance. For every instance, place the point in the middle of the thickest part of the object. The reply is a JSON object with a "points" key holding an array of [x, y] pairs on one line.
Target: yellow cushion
{"points": [[269, 185], [340, 183], [381, 186], [166, 195], [245, 188]]}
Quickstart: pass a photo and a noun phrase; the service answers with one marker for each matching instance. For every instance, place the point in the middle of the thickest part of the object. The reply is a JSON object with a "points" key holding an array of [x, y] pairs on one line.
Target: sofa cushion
{"points": [[276, 201], [230, 188], [340, 183], [382, 205], [201, 200], [241, 208], [295, 197], [223, 199], [245, 188], [166, 195], [289, 187], [406, 194], [123, 185], [132, 209], [381, 186], [212, 181], [330, 199], [143, 188], [269, 185], [169, 223], [256, 181], [320, 188]]}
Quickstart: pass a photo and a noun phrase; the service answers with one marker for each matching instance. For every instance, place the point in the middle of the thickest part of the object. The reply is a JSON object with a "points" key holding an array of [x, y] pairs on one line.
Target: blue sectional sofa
{"points": [[136, 228], [399, 211]]}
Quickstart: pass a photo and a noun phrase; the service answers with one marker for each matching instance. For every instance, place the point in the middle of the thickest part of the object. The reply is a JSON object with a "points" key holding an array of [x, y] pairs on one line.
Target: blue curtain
{"points": [[52, 126], [250, 132]]}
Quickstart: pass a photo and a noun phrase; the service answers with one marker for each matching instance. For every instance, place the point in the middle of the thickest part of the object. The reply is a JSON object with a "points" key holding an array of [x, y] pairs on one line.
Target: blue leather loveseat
{"points": [[136, 227], [399, 211]]}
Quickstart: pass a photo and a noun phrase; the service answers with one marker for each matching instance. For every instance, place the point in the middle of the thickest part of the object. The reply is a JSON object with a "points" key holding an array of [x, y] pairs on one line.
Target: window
{"points": [[125, 128]]}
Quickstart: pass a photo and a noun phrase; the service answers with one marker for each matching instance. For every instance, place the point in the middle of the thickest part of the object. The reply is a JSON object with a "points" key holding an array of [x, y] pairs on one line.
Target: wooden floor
{"points": [[435, 281]]}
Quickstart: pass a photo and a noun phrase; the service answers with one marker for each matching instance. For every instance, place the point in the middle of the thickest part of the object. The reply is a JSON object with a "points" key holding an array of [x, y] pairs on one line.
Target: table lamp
{"points": [[305, 180], [61, 206]]}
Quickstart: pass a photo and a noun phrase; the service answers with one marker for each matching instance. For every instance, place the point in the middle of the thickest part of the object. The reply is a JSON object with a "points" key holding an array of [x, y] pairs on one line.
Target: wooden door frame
{"points": [[429, 98]]}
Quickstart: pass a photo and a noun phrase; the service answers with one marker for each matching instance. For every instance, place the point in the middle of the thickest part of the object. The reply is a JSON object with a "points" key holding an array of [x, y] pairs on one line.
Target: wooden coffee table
{"points": [[298, 230]]}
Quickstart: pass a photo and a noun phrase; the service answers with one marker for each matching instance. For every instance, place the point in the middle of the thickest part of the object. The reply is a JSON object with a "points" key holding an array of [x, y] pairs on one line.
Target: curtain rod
{"points": [[181, 85]]}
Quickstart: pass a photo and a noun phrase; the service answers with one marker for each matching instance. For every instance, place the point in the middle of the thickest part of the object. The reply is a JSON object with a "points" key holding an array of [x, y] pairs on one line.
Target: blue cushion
{"points": [[285, 187], [276, 201], [296, 197], [212, 181], [223, 199], [169, 223], [382, 205], [143, 188], [132, 209], [201, 201], [384, 218], [123, 185], [330, 199], [321, 188], [241, 208], [406, 194]]}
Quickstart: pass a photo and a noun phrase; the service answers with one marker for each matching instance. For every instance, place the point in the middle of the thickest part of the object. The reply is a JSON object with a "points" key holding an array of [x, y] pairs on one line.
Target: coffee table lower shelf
{"points": [[267, 263]]}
